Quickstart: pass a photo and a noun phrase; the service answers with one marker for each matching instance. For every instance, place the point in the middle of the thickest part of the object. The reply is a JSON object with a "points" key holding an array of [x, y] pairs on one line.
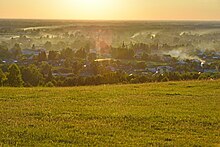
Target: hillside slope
{"points": [[158, 114]]}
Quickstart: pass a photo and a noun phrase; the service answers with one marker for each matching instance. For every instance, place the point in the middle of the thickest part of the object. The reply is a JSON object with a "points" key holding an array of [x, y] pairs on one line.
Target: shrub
{"points": [[49, 84]]}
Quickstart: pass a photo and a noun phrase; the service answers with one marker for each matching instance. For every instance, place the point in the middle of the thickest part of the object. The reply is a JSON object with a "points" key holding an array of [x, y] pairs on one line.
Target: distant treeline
{"points": [[33, 76]]}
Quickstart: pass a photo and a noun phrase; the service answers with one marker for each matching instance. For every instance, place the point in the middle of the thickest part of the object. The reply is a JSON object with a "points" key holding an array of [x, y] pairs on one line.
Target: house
{"points": [[93, 51], [164, 69], [210, 71], [139, 53], [31, 51], [167, 58], [181, 62], [152, 70]]}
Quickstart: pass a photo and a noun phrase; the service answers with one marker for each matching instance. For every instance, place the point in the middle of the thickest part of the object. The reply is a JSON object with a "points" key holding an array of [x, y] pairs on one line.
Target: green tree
{"points": [[67, 63], [14, 76], [42, 56], [2, 78], [49, 75], [60, 45], [67, 53], [92, 56], [33, 47], [45, 68], [81, 53], [4, 53], [49, 84], [16, 50], [53, 55], [122, 52], [31, 75], [48, 45]]}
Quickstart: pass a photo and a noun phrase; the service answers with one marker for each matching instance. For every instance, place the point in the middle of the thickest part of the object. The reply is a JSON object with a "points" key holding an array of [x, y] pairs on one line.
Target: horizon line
{"points": [[132, 20]]}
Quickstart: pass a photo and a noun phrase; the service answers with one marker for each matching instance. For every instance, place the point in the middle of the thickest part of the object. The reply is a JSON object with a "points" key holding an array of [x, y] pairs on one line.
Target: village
{"points": [[92, 51]]}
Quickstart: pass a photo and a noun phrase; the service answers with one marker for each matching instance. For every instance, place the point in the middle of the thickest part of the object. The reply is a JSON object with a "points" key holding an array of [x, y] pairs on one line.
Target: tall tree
{"points": [[2, 78], [4, 53], [33, 47], [81, 53], [53, 55], [14, 76], [49, 76], [31, 75], [45, 69], [67, 53], [48, 45], [16, 50], [42, 56]]}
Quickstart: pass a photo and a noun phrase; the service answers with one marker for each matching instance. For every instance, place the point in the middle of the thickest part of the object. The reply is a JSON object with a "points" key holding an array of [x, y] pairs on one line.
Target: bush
{"points": [[203, 76], [165, 79], [49, 84]]}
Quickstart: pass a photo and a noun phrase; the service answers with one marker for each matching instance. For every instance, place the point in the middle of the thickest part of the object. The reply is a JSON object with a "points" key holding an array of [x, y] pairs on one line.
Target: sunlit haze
{"points": [[111, 9]]}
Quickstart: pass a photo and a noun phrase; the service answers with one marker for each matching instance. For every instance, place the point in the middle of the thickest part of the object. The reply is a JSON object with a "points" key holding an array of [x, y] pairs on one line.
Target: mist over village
{"points": [[85, 51]]}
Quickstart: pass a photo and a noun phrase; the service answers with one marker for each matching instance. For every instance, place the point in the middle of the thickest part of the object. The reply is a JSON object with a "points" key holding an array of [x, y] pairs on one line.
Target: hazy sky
{"points": [[111, 9]]}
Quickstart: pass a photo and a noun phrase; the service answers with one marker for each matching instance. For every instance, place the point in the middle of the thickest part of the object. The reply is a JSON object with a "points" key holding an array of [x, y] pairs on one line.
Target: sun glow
{"points": [[93, 4], [95, 9], [111, 9]]}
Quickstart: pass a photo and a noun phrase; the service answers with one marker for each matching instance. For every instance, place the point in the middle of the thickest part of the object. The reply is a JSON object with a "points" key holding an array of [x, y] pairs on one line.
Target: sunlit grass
{"points": [[158, 114]]}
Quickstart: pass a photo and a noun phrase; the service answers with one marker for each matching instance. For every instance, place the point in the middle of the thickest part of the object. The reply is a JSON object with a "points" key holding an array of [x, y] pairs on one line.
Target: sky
{"points": [[111, 9]]}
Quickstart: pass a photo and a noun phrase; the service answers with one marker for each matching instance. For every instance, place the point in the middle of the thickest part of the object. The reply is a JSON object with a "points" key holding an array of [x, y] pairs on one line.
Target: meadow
{"points": [[154, 114]]}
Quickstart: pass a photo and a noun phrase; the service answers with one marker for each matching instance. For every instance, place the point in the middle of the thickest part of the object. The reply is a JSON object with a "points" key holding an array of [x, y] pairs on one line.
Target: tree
{"points": [[67, 53], [49, 75], [140, 65], [45, 68], [42, 56], [60, 45], [67, 63], [165, 79], [173, 76], [16, 50], [122, 53], [48, 45], [33, 47], [2, 78], [92, 56], [31, 75], [14, 76], [49, 84], [53, 55], [4, 53], [81, 53]]}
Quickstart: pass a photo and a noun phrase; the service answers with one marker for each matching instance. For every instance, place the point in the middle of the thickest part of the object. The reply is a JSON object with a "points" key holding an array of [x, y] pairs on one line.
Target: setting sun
{"points": [[93, 4], [93, 8]]}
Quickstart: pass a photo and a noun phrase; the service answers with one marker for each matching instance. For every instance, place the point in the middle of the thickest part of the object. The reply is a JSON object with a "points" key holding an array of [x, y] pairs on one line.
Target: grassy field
{"points": [[156, 114]]}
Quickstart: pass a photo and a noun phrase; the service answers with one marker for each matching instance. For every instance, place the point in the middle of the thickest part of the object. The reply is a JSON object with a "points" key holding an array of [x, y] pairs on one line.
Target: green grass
{"points": [[156, 114]]}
